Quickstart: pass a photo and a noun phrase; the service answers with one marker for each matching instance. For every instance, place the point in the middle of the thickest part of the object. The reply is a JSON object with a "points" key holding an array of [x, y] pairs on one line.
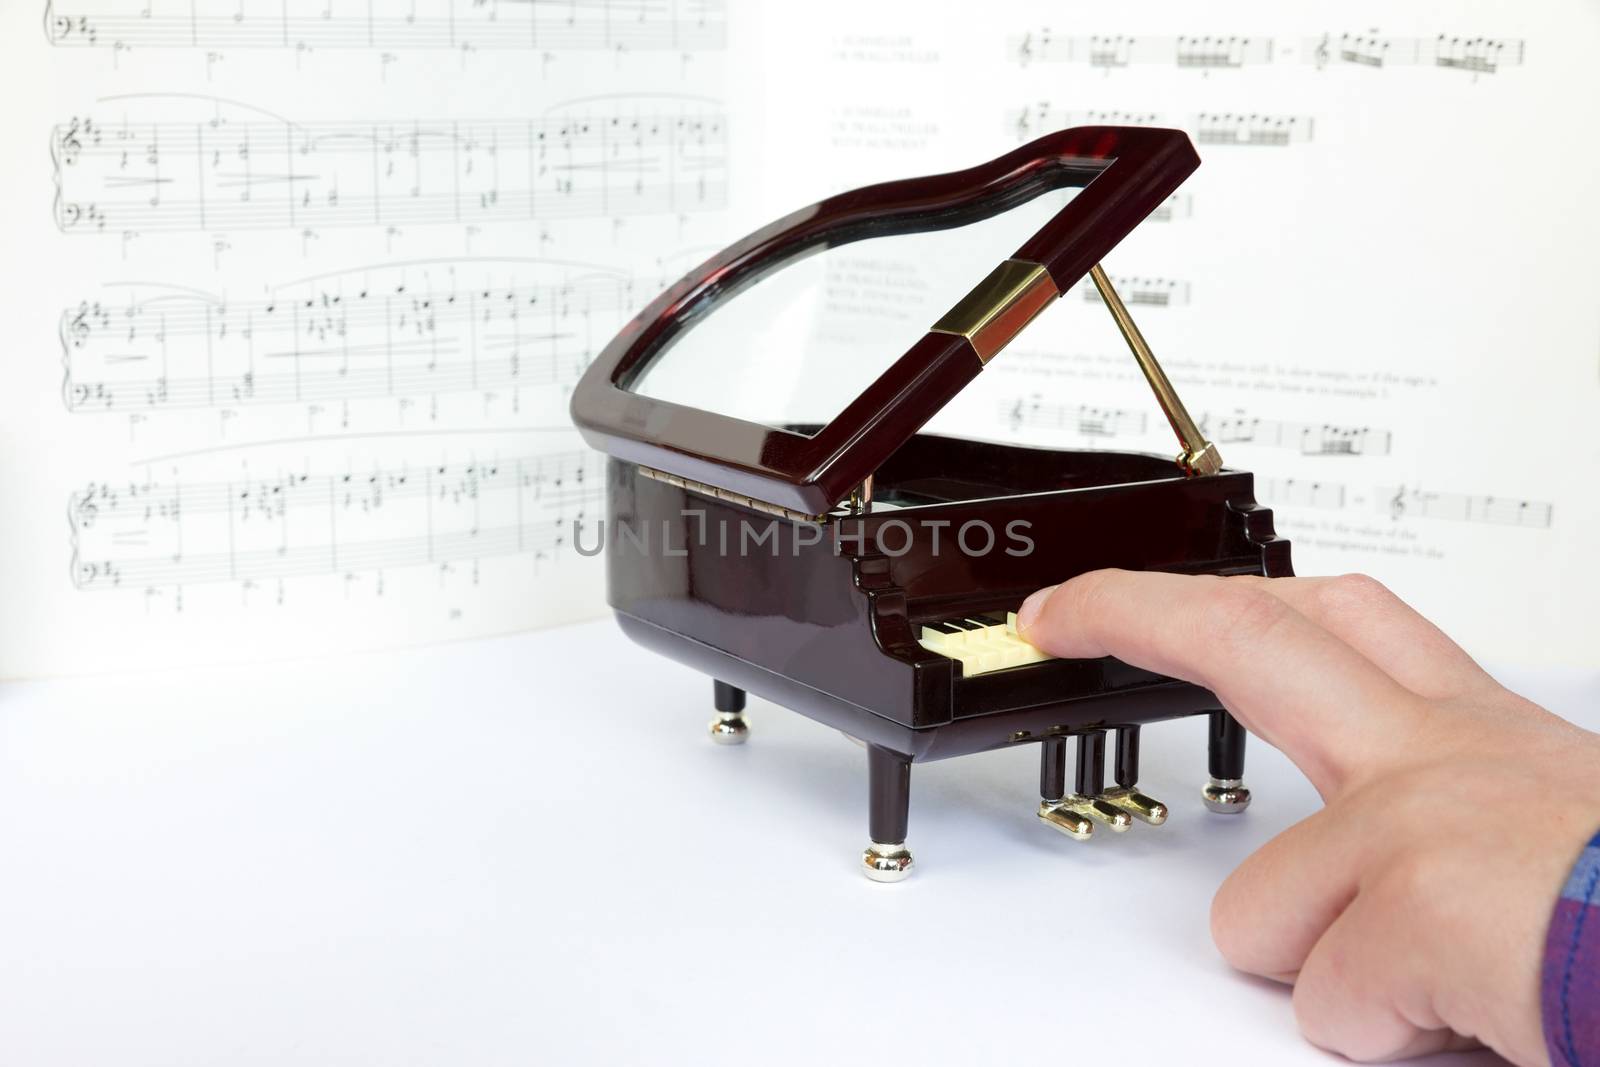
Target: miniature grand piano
{"points": [[795, 561]]}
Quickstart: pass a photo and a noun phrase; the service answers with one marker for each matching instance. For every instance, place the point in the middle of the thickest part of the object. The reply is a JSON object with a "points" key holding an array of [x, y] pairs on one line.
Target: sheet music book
{"points": [[297, 292], [1378, 291], [296, 295]]}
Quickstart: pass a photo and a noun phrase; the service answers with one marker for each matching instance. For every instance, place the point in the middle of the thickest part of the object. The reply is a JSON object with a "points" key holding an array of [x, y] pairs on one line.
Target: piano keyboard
{"points": [[982, 643]]}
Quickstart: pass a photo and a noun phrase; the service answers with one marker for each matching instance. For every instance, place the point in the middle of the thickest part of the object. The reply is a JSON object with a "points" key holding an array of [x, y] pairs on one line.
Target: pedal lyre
{"points": [[1075, 814]]}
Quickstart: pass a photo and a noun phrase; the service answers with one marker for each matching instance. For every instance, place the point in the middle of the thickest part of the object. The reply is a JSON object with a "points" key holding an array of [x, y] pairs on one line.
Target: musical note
{"points": [[137, 535], [1110, 51], [1307, 438], [1476, 55], [303, 248], [1030, 122], [1086, 420], [1142, 292], [1301, 492], [1208, 128], [466, 25], [342, 337], [655, 155], [1400, 502], [1231, 128]]}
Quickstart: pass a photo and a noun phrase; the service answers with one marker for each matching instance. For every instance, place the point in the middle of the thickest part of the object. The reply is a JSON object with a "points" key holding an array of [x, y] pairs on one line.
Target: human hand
{"points": [[1410, 913]]}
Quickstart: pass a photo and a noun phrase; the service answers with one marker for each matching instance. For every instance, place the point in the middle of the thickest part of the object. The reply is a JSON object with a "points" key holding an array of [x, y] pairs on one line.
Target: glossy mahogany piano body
{"points": [[883, 530], [824, 618]]}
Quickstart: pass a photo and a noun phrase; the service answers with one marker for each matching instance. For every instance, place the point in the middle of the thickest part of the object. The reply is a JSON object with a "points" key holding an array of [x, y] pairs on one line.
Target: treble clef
{"points": [[78, 327], [71, 143], [84, 508]]}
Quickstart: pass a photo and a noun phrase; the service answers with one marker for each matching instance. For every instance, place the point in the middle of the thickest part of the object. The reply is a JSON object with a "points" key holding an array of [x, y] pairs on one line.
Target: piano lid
{"points": [[1124, 173]]}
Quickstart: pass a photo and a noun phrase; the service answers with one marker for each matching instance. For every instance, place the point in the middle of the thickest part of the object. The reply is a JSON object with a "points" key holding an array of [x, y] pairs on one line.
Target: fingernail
{"points": [[1032, 606]]}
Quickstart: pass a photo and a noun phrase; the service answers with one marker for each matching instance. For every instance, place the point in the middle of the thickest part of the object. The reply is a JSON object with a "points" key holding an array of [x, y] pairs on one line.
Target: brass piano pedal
{"points": [[1145, 809], [1226, 796], [1056, 814], [1102, 811], [1076, 815]]}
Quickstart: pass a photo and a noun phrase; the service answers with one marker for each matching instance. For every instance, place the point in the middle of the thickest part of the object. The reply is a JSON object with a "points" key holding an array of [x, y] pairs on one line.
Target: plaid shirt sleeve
{"points": [[1570, 998]]}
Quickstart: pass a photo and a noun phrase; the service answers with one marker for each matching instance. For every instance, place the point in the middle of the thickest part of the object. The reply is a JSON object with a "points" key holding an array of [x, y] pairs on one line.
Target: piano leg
{"points": [[729, 727], [1127, 796], [1225, 792], [886, 858]]}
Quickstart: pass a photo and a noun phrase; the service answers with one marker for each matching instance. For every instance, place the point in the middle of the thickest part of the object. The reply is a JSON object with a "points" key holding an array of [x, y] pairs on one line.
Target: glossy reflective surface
{"points": [[804, 341], [1127, 172], [825, 620]]}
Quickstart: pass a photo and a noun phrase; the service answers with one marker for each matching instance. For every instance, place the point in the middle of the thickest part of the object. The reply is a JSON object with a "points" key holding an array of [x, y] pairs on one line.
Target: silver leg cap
{"points": [[886, 863], [1226, 796], [730, 729]]}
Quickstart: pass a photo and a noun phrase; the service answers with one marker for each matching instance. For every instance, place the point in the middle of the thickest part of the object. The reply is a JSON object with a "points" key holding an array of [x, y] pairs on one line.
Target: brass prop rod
{"points": [[1199, 456]]}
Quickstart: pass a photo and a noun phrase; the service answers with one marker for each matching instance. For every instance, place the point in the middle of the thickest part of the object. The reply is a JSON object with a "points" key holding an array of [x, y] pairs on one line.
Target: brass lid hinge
{"points": [[999, 307], [860, 502], [733, 498]]}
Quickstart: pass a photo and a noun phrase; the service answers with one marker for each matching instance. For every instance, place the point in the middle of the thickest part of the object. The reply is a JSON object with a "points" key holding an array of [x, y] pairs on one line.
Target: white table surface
{"points": [[526, 851]]}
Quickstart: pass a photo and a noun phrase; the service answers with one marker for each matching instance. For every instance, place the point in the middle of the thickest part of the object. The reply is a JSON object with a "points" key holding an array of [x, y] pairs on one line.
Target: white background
{"points": [[526, 850]]}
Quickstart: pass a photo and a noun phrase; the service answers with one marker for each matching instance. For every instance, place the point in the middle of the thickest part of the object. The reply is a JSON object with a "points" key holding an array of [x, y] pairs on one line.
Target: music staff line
{"points": [[146, 535], [336, 343], [1203, 52], [1445, 51], [1245, 129], [1399, 502], [1140, 292], [1477, 55], [1087, 420], [221, 175], [1301, 493], [1307, 438], [465, 25]]}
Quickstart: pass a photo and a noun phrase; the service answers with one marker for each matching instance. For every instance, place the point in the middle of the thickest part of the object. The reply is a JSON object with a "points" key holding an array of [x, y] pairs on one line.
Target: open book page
{"points": [[1377, 293], [296, 294]]}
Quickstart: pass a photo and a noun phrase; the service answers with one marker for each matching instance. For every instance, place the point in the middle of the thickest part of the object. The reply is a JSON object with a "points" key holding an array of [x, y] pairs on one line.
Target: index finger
{"points": [[1288, 680]]}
